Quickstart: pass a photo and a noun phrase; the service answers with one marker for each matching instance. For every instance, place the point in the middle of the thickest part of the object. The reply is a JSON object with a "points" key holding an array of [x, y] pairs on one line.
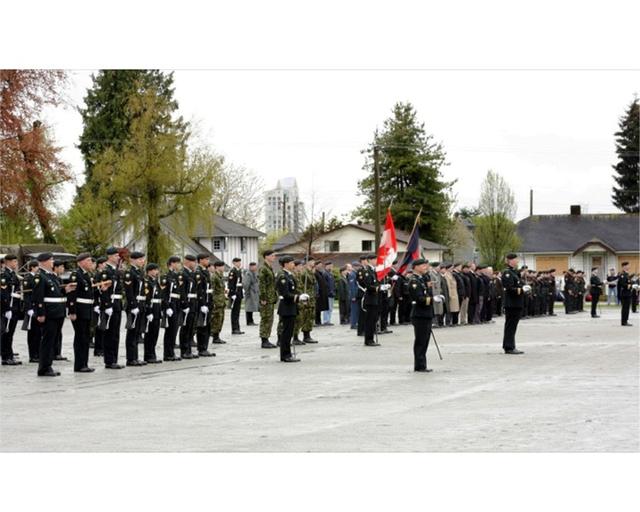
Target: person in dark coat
{"points": [[344, 302], [322, 293], [473, 293]]}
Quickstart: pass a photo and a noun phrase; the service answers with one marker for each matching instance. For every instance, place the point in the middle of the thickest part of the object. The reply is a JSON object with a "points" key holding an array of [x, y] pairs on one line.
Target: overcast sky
{"points": [[547, 130]]}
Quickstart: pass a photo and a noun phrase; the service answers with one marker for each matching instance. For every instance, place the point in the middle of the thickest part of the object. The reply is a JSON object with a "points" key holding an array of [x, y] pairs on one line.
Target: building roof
{"points": [[401, 236], [221, 226], [569, 233]]}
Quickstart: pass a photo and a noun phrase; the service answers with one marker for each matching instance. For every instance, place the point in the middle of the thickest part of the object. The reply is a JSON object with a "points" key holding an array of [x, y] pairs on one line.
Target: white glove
{"points": [[437, 298], [304, 297], [385, 287], [169, 312], [395, 278], [8, 315], [31, 312], [97, 310], [636, 286], [526, 288], [135, 311], [109, 311], [233, 297], [150, 317], [204, 309], [186, 311]]}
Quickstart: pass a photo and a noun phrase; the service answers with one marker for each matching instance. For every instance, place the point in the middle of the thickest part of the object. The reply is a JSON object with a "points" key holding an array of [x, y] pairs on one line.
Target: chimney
{"points": [[575, 209]]}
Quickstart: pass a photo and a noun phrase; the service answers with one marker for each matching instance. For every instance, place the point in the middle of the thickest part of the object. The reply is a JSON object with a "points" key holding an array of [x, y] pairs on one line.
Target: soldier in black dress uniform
{"points": [[80, 304], [234, 283], [98, 337], [371, 287], [205, 305], [188, 328], [596, 290], [421, 313], [514, 291], [50, 302], [624, 292], [175, 300], [287, 307], [111, 296], [153, 313], [10, 308], [133, 279], [33, 327]]}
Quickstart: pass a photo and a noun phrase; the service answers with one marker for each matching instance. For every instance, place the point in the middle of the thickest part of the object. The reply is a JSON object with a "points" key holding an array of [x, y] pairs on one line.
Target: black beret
{"points": [[45, 256], [285, 259], [372, 256], [236, 259], [448, 266], [173, 259], [112, 250], [101, 260], [190, 257], [299, 262], [418, 261], [218, 263], [253, 263], [58, 263], [594, 268], [480, 267], [457, 264], [364, 257], [571, 270], [151, 266], [268, 252], [32, 263], [624, 263], [511, 256], [310, 258], [435, 264], [203, 256], [136, 254], [10, 257], [465, 266], [552, 270], [82, 256]]}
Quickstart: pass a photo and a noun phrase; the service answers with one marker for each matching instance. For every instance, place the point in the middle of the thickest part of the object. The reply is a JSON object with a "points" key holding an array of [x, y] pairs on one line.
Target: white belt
{"points": [[84, 301], [140, 297], [16, 295], [174, 295], [116, 296], [55, 299], [156, 301], [192, 295], [209, 291]]}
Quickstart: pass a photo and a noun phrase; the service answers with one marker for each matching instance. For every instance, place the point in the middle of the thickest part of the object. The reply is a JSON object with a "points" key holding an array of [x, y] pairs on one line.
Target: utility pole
{"points": [[531, 202], [376, 171]]}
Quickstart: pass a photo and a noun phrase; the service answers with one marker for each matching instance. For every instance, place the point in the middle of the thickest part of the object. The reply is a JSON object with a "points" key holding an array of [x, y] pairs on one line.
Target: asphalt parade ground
{"points": [[575, 389]]}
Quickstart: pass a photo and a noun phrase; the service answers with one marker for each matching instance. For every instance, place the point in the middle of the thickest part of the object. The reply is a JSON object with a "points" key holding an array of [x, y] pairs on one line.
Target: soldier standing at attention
{"points": [[98, 347], [111, 307], [205, 306], [58, 270], [268, 297], [298, 268], [287, 307], [10, 307], [514, 291], [596, 290], [307, 309], [421, 312], [234, 283], [134, 286], [34, 332], [49, 300], [368, 282], [219, 301], [81, 303], [552, 291], [175, 301], [190, 304], [153, 312], [624, 292]]}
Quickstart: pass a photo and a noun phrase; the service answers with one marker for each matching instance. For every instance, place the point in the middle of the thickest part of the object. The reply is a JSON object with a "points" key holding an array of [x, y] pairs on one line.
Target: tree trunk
{"points": [[153, 230]]}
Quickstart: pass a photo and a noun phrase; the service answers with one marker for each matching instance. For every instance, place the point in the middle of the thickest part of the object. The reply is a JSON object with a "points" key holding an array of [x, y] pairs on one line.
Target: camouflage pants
{"points": [[217, 318], [266, 319], [305, 318]]}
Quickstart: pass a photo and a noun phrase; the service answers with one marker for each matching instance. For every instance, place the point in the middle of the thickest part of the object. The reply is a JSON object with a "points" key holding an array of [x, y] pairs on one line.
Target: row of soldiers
{"points": [[188, 301]]}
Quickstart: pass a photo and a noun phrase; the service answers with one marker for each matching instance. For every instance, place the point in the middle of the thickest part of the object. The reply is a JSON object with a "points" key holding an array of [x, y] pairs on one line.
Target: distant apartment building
{"points": [[283, 209]]}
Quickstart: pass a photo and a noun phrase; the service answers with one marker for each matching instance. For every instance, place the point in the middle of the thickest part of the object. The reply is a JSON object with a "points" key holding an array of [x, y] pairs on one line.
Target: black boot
{"points": [[307, 337]]}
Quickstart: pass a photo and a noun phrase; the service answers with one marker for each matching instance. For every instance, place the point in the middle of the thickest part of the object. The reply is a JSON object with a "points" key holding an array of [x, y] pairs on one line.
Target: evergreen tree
{"points": [[410, 178], [627, 170]]}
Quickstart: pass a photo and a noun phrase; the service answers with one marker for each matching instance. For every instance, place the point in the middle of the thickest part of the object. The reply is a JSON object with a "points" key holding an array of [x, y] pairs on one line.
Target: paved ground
{"points": [[575, 389]]}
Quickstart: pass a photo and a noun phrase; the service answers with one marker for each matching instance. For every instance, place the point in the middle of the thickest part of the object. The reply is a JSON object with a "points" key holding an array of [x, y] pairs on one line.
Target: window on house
{"points": [[367, 245], [243, 244], [332, 246], [218, 244]]}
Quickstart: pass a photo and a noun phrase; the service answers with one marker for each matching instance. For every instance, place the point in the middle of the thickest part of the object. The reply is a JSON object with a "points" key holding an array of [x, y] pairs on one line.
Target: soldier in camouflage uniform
{"points": [[219, 301], [307, 310], [268, 297]]}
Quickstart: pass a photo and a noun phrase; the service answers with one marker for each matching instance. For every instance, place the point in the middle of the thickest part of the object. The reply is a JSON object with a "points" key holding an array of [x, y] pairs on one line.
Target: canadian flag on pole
{"points": [[388, 250]]}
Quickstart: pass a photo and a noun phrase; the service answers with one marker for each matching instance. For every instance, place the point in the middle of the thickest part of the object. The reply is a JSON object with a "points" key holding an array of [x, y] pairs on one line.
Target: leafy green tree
{"points": [[627, 170], [410, 166], [495, 231], [150, 177]]}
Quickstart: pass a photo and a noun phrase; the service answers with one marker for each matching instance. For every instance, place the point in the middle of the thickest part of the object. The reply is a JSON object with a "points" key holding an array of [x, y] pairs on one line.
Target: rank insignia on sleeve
{"points": [[73, 277], [283, 280], [414, 285]]}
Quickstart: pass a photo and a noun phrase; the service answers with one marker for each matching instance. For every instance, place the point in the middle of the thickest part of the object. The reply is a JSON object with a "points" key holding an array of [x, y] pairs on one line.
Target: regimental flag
{"points": [[413, 248], [388, 250]]}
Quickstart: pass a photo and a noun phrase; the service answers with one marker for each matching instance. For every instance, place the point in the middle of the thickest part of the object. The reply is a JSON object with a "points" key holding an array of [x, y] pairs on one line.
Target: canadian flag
{"points": [[388, 250]]}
